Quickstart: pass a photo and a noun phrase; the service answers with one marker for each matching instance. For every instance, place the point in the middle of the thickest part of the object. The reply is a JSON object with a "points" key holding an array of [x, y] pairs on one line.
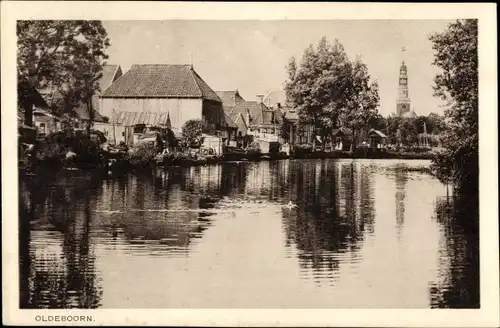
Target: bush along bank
{"points": [[79, 150]]}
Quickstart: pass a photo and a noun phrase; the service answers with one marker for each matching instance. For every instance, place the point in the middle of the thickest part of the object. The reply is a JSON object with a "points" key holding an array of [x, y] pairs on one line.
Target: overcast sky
{"points": [[251, 55]]}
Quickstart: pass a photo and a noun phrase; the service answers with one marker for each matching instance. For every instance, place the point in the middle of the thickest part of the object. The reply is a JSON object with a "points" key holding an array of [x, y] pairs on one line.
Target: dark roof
{"points": [[230, 98], [27, 94], [82, 113], [109, 74], [260, 114], [378, 133], [160, 81], [230, 122], [42, 115], [342, 131]]}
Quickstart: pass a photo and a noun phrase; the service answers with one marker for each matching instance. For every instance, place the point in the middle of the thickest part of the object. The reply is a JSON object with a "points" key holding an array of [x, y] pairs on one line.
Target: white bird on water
{"points": [[290, 205]]}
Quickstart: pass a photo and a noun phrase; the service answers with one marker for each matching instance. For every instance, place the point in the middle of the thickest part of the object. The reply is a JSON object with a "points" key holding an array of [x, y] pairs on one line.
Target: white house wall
{"points": [[111, 132], [181, 110]]}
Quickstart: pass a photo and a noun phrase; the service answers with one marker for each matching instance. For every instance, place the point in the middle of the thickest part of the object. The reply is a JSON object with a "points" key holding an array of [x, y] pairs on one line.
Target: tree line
{"points": [[457, 83]]}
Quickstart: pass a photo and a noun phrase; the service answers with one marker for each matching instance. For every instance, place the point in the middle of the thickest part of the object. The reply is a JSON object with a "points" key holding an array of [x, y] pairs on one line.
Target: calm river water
{"points": [[362, 234]]}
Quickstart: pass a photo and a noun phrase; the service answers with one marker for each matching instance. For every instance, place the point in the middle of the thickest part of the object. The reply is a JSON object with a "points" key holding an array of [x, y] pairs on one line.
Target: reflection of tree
{"points": [[26, 216], [327, 221], [401, 181], [459, 265], [70, 279], [160, 209], [233, 179]]}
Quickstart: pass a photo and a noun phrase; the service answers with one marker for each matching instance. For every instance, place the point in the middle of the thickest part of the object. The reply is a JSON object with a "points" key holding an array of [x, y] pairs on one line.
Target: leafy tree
{"points": [[192, 133], [436, 123], [401, 130], [379, 123], [363, 100], [62, 55], [457, 83], [318, 87]]}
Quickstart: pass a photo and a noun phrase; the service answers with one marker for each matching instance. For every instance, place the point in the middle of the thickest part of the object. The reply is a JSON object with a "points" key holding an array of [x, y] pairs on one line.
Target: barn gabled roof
{"points": [[160, 81]]}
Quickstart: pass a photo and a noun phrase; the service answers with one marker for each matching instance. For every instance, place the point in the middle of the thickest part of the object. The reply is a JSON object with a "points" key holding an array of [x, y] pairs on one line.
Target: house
{"points": [[46, 122], [30, 98], [149, 94], [230, 99], [275, 99], [342, 138], [376, 139], [232, 130], [238, 127], [41, 119], [256, 119]]}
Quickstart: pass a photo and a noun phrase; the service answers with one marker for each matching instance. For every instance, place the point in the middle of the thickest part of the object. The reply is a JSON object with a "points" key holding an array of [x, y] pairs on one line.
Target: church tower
{"points": [[403, 101]]}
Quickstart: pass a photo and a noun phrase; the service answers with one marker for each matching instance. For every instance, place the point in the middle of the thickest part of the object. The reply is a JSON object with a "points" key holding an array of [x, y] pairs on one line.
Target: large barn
{"points": [[151, 94]]}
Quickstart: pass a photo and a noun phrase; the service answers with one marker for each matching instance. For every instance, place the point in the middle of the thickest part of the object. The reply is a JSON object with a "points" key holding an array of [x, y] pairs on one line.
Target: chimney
{"points": [[260, 98]]}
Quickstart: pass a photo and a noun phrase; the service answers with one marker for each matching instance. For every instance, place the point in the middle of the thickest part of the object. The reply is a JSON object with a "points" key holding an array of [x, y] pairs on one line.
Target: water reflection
{"points": [[457, 285], [335, 212], [208, 236], [56, 254]]}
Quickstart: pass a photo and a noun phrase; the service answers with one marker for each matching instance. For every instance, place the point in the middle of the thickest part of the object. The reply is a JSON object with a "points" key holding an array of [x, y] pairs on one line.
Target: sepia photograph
{"points": [[283, 163]]}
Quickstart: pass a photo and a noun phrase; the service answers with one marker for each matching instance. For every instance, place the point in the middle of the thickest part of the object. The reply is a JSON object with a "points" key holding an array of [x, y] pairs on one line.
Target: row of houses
{"points": [[151, 96]]}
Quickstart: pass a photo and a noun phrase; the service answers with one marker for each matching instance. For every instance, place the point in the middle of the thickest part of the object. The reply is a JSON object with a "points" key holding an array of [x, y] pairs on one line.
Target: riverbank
{"points": [[124, 163]]}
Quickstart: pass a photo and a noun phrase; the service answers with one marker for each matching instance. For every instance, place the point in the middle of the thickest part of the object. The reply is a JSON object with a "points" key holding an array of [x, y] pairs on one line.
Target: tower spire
{"points": [[403, 100]]}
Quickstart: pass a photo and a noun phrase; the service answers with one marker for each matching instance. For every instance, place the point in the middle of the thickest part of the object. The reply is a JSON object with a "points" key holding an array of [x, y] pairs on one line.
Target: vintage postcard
{"points": [[249, 164]]}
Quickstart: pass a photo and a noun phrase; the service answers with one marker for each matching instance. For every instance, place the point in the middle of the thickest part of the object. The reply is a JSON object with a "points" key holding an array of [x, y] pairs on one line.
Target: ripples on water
{"points": [[363, 234]]}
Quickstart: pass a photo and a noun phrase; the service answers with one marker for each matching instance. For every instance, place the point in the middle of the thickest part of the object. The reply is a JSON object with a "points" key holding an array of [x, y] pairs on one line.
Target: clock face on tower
{"points": [[402, 81]]}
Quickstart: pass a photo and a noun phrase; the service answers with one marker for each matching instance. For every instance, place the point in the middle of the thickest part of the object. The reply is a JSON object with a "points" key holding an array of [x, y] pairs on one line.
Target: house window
{"points": [[123, 134], [239, 134]]}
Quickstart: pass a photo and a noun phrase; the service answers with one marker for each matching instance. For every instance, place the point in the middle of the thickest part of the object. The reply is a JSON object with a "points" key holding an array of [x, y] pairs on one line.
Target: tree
{"points": [[401, 130], [435, 123], [65, 55], [317, 88], [363, 100], [192, 133], [457, 83]]}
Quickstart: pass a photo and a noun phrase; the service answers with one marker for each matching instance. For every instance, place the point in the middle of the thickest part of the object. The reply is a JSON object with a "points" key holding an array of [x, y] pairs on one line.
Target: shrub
{"points": [[55, 146], [253, 148], [143, 154]]}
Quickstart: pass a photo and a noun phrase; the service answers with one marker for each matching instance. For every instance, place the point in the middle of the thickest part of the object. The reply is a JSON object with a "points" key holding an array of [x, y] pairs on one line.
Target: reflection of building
{"points": [[258, 179], [401, 180]]}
